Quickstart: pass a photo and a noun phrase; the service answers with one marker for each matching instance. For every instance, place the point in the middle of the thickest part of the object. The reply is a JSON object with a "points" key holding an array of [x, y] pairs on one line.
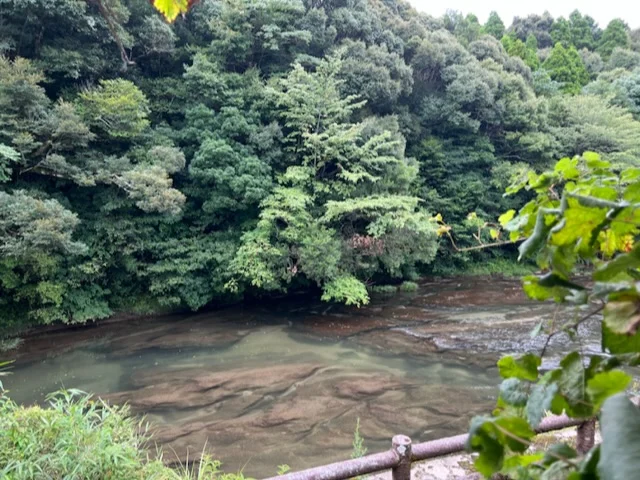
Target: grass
{"points": [[7, 344], [78, 438], [408, 287], [384, 289], [497, 266]]}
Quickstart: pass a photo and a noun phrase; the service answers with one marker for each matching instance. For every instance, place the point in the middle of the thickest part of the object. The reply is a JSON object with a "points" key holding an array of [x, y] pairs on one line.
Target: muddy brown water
{"points": [[285, 382]]}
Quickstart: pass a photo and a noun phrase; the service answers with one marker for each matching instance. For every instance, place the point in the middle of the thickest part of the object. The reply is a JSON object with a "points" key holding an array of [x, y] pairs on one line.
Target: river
{"points": [[285, 382]]}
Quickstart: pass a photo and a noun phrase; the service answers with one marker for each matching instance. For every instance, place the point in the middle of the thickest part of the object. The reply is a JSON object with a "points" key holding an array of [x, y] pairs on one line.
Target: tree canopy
{"points": [[248, 147]]}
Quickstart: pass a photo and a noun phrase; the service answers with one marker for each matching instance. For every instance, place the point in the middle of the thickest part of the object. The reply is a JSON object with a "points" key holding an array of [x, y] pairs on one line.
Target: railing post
{"points": [[585, 437], [402, 446]]}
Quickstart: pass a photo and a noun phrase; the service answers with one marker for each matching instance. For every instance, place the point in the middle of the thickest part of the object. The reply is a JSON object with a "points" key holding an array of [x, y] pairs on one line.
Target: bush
{"points": [[78, 438], [384, 289], [408, 287]]}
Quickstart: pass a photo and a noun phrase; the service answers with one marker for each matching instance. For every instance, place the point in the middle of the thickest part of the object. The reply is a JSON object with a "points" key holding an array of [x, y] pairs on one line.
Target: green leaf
{"points": [[606, 384], [552, 279], [623, 315], [523, 368], [486, 441], [537, 238], [514, 392], [536, 330], [506, 217], [619, 343], [589, 466], [567, 167], [620, 449], [558, 452], [630, 174], [488, 437], [539, 402], [619, 265], [594, 162], [571, 380], [519, 432], [535, 291]]}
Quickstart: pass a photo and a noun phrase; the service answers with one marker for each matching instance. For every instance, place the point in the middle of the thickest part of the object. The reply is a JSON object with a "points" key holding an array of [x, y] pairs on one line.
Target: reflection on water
{"points": [[285, 382]]}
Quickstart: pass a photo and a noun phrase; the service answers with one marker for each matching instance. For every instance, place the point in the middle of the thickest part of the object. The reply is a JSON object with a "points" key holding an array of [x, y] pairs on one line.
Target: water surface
{"points": [[285, 382]]}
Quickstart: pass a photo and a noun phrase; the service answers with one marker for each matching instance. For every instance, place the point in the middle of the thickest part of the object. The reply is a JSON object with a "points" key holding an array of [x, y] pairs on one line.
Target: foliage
{"points": [[77, 437], [260, 146], [615, 35], [408, 287], [359, 450], [526, 51], [494, 26], [565, 66], [384, 289], [581, 211]]}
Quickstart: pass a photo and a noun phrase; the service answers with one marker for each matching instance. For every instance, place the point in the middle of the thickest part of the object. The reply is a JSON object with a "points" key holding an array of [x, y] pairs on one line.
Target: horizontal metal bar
{"points": [[380, 462]]}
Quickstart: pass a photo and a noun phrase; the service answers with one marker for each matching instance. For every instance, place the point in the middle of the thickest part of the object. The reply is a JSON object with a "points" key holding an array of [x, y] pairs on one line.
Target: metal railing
{"points": [[402, 453]]}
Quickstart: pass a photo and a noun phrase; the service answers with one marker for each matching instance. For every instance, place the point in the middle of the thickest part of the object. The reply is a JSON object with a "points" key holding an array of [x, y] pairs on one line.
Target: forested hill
{"points": [[268, 145]]}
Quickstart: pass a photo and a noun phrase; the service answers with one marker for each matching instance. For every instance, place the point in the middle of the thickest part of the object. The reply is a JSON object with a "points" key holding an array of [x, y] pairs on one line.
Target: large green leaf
{"points": [[485, 440], [523, 368], [619, 343], [540, 401], [620, 449], [572, 388], [568, 168], [619, 265], [606, 384], [514, 392], [623, 314]]}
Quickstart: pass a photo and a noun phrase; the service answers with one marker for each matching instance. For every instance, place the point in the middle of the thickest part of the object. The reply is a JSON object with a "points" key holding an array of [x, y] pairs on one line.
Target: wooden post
{"points": [[586, 436], [402, 446]]}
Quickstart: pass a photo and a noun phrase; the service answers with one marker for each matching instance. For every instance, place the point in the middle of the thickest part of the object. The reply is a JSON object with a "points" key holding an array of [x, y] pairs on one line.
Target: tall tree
{"points": [[494, 26], [565, 66], [615, 35], [341, 211]]}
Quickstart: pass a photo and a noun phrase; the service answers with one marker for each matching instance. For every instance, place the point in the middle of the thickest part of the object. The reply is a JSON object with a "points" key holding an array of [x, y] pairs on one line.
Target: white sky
{"points": [[602, 10]]}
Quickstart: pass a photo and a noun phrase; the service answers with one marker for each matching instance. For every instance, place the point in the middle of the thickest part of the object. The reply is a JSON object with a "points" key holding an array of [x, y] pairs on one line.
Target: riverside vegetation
{"points": [[276, 145]]}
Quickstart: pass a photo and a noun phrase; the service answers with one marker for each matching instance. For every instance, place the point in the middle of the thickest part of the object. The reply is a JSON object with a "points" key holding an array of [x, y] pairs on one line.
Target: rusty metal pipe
{"points": [[380, 462]]}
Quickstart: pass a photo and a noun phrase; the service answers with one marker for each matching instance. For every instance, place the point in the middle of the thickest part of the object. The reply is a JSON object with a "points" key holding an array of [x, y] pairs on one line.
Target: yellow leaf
{"points": [[443, 229], [170, 9], [438, 218], [506, 217], [494, 233]]}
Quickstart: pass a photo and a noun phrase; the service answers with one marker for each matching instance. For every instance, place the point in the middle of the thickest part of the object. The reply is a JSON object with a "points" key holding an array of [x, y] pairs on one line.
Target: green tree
{"points": [[526, 51], [565, 66], [561, 32], [494, 26], [584, 31], [345, 174], [615, 35], [538, 25]]}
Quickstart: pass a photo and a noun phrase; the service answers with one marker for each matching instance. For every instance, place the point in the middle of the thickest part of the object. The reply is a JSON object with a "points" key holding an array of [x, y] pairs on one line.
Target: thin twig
{"points": [[579, 322]]}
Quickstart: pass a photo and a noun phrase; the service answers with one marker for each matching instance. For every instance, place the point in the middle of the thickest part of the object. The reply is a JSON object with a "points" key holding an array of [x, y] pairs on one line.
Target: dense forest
{"points": [[258, 146]]}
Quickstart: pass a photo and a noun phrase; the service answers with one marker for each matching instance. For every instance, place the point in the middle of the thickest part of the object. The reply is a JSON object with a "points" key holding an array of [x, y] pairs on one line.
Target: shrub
{"points": [[384, 289], [78, 438], [408, 287]]}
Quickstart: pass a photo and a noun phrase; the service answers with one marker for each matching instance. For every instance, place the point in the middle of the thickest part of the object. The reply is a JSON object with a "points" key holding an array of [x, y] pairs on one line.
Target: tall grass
{"points": [[79, 438]]}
